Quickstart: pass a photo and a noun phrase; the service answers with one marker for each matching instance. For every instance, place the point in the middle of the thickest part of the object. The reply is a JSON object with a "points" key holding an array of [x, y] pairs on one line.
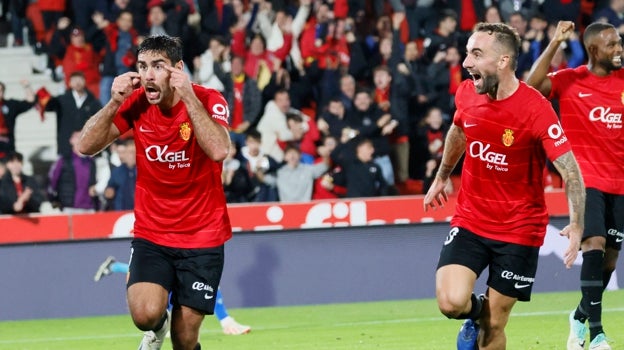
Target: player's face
{"points": [[609, 50], [155, 77], [482, 62]]}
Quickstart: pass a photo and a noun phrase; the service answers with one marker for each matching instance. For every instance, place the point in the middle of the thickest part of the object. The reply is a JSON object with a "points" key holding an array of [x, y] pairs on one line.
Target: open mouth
{"points": [[617, 60], [152, 93], [476, 78]]}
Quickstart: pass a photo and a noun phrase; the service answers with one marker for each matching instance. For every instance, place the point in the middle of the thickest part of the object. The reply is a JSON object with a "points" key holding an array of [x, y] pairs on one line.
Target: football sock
{"points": [[119, 267], [591, 288], [606, 277], [475, 310], [161, 323], [219, 310]]}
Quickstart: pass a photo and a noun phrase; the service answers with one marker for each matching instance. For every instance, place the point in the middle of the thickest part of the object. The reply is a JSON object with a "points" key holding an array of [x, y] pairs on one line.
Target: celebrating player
{"points": [[507, 130]]}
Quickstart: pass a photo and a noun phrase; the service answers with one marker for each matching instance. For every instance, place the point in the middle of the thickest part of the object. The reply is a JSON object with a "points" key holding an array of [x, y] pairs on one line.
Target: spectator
{"points": [[369, 121], [119, 191], [81, 57], [323, 186], [525, 58], [10, 109], [360, 176], [273, 125], [492, 15], [236, 181], [446, 34], [217, 53], [261, 168], [120, 43], [295, 181], [305, 135], [421, 16], [243, 96], [444, 75], [17, 11], [613, 14], [432, 135], [72, 109], [19, 193], [72, 181], [347, 91]]}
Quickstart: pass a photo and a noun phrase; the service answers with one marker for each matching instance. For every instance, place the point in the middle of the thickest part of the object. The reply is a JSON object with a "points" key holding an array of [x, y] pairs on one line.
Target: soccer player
{"points": [[591, 104], [507, 130], [228, 324], [181, 136]]}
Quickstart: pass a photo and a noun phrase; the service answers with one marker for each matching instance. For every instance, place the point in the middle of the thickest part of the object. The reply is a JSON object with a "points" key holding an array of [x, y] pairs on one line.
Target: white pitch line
{"points": [[137, 335]]}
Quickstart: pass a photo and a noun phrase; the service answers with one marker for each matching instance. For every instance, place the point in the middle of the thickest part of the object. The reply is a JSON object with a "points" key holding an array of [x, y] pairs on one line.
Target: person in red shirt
{"points": [[181, 137], [590, 102], [506, 130]]}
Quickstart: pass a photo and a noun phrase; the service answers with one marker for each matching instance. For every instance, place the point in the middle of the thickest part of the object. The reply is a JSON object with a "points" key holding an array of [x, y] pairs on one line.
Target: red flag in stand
{"points": [[43, 96]]}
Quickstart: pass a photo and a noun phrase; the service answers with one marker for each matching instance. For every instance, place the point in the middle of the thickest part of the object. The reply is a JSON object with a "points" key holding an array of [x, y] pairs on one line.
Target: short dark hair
{"points": [[593, 30], [253, 134], [170, 46], [14, 155], [505, 35]]}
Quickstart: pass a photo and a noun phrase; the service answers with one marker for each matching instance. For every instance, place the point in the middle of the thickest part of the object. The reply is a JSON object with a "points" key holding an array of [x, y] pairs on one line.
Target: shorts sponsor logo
{"points": [[619, 236], [611, 119], [594, 303], [521, 281], [204, 288]]}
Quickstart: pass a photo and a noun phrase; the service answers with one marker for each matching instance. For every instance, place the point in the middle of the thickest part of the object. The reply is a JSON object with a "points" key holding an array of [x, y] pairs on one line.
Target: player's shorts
{"points": [[604, 216], [191, 275], [512, 267]]}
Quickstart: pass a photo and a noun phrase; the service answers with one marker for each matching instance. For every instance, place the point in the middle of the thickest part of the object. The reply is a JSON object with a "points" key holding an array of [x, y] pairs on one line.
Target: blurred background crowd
{"points": [[328, 99]]}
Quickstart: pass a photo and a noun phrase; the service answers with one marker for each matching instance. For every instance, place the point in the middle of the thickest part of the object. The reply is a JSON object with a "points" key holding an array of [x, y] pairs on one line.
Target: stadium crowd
{"points": [[339, 98]]}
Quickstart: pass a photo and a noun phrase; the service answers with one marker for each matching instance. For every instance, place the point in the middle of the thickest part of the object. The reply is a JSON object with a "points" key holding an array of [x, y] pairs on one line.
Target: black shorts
{"points": [[512, 267], [191, 275], [604, 216]]}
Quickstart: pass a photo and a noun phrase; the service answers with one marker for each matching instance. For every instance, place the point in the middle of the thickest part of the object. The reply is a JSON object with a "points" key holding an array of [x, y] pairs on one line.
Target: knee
{"points": [[147, 318], [452, 306]]}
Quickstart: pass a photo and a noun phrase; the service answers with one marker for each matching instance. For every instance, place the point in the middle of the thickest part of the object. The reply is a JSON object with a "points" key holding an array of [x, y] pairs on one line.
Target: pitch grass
{"points": [[410, 324]]}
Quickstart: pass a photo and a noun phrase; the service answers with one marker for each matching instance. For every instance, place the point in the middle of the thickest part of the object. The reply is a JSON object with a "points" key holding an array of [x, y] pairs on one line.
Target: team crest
{"points": [[185, 131], [508, 138]]}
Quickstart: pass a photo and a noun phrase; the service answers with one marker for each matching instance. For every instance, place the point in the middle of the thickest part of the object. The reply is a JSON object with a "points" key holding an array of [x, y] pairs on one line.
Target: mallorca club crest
{"points": [[508, 137], [185, 131]]}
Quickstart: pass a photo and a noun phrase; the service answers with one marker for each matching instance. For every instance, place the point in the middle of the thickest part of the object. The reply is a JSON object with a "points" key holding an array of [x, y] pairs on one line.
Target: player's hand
{"points": [[574, 233], [123, 86], [436, 196], [180, 82], [564, 30]]}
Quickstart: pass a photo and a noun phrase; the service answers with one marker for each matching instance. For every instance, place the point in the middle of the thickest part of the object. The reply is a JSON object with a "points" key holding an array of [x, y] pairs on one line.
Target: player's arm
{"points": [[99, 131], [212, 137], [575, 191], [454, 148], [537, 76]]}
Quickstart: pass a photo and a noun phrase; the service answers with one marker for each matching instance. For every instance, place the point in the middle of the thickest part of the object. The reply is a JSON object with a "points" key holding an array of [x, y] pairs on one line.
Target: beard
{"points": [[489, 85], [608, 64]]}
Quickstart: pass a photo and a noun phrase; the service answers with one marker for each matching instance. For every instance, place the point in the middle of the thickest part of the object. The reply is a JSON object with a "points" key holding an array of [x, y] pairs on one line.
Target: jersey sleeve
{"points": [[215, 104], [549, 131], [558, 80], [124, 118]]}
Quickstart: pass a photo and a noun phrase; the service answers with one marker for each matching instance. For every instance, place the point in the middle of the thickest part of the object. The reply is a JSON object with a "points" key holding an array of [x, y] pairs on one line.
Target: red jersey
{"points": [[591, 109], [507, 142], [179, 199]]}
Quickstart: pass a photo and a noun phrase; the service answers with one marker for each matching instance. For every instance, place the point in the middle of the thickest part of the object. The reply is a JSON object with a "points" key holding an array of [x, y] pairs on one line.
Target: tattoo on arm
{"points": [[574, 186], [454, 148]]}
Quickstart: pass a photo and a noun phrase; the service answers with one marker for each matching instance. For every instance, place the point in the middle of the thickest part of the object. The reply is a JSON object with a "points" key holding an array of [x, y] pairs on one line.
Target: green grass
{"points": [[411, 324]]}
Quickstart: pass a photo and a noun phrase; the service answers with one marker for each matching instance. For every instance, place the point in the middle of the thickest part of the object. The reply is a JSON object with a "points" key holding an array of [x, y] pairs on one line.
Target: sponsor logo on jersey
{"points": [[160, 154], [185, 131], [613, 120], [508, 137], [494, 160], [219, 111], [556, 133]]}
